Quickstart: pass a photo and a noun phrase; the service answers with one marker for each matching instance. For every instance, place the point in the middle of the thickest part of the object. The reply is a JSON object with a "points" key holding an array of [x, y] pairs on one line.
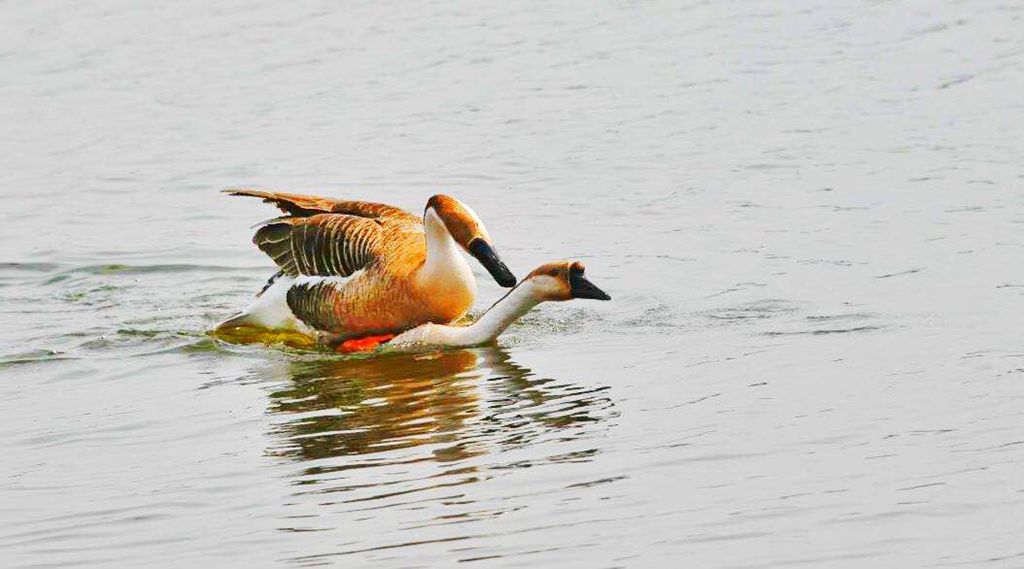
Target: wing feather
{"points": [[306, 206], [332, 246], [312, 303], [326, 244]]}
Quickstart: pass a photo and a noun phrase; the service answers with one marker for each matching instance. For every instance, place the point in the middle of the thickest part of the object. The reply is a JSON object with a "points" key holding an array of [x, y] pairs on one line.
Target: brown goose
{"points": [[352, 268]]}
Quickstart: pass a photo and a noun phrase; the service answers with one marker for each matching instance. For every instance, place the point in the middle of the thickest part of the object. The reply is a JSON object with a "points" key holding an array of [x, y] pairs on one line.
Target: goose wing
{"points": [[305, 206], [326, 244], [329, 239]]}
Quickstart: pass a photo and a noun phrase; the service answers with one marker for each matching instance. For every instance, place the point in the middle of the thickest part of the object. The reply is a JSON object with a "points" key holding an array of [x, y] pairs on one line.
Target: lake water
{"points": [[810, 217]]}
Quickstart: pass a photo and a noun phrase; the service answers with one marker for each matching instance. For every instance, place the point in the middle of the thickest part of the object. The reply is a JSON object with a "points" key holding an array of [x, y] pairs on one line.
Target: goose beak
{"points": [[580, 287], [484, 253]]}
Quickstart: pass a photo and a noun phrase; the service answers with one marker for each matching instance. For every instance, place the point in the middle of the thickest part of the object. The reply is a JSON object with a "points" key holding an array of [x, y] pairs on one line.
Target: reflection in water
{"points": [[376, 404], [451, 404]]}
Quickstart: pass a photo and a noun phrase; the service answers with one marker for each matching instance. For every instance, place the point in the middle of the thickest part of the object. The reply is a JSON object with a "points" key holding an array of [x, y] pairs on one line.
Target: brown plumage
{"points": [[382, 250], [304, 206]]}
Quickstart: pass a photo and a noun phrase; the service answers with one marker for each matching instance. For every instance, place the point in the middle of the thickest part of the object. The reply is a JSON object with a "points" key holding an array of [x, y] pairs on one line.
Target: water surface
{"points": [[810, 219]]}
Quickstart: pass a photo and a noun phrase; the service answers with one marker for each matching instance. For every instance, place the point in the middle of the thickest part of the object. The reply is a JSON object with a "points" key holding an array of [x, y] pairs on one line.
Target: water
{"points": [[809, 217]]}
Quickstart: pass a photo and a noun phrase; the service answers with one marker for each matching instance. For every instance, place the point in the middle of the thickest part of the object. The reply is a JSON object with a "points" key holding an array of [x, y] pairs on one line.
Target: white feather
{"points": [[513, 305], [315, 280], [270, 309], [445, 263]]}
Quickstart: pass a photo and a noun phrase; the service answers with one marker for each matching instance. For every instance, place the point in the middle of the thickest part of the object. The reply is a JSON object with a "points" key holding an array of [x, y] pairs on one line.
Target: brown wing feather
{"points": [[305, 206], [327, 244], [314, 305]]}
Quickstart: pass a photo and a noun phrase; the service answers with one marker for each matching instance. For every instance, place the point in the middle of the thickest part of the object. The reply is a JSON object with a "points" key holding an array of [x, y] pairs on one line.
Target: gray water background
{"points": [[809, 215]]}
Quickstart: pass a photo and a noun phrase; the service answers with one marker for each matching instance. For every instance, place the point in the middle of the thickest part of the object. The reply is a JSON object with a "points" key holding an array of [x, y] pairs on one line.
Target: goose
{"points": [[351, 268], [558, 280]]}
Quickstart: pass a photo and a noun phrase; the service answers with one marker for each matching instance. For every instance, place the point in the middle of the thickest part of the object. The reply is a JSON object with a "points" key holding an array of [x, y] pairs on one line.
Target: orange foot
{"points": [[364, 344]]}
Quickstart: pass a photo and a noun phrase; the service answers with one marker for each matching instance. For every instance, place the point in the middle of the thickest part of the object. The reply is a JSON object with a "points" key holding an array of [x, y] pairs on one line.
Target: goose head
{"points": [[562, 280], [469, 233]]}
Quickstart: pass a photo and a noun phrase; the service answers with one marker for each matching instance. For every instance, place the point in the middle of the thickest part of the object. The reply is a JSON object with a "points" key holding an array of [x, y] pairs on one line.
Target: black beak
{"points": [[580, 287], [484, 253]]}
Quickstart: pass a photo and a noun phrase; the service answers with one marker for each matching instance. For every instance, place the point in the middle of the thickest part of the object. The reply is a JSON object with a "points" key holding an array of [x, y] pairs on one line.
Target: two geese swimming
{"points": [[355, 274]]}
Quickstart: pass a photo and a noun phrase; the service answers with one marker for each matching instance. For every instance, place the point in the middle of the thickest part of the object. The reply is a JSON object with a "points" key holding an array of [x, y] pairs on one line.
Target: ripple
{"points": [[33, 357]]}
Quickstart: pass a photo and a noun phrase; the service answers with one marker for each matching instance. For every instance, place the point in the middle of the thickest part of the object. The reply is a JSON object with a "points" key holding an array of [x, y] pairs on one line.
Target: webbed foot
{"points": [[364, 344]]}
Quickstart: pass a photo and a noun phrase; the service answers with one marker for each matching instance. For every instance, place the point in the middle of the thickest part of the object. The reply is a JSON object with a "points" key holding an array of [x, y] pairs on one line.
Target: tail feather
{"points": [[241, 320], [269, 310]]}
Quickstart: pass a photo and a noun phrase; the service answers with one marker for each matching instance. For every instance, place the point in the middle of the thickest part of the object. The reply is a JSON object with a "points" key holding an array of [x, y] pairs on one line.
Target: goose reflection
{"points": [[458, 404]]}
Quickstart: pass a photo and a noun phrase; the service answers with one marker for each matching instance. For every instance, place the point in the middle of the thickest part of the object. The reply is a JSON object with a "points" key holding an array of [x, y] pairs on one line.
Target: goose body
{"points": [[352, 268], [560, 280]]}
